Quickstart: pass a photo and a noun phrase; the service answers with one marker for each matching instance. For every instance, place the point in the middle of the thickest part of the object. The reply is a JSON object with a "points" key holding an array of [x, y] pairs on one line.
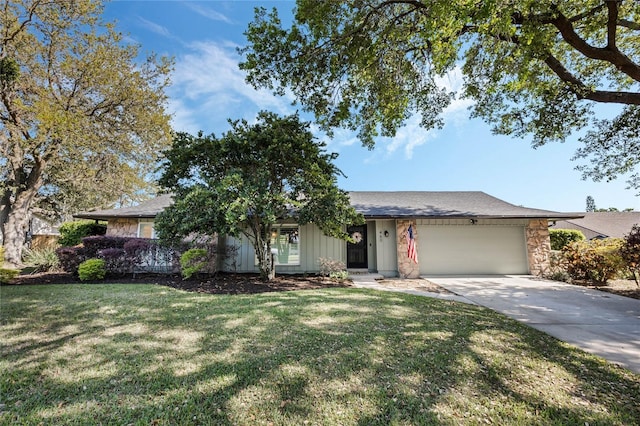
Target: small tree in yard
{"points": [[630, 252], [249, 180]]}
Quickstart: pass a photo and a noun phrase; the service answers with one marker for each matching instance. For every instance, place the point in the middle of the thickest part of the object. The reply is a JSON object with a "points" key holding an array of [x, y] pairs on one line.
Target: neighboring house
{"points": [[41, 233], [600, 225], [455, 233]]}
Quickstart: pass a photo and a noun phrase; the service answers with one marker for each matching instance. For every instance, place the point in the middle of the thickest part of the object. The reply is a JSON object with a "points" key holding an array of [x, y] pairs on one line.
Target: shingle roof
{"points": [[602, 224], [452, 204], [379, 204], [146, 209]]}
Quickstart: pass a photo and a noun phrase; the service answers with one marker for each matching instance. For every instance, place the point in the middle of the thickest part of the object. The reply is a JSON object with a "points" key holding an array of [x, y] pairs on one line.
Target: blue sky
{"points": [[208, 88]]}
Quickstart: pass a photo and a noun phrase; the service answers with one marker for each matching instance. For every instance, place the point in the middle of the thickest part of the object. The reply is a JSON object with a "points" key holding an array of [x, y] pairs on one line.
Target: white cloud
{"points": [[208, 87], [155, 28], [412, 135], [208, 13]]}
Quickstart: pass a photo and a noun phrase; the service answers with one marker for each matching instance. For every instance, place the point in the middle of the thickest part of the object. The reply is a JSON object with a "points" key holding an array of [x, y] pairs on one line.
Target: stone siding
{"points": [[406, 267], [122, 227], [538, 246]]}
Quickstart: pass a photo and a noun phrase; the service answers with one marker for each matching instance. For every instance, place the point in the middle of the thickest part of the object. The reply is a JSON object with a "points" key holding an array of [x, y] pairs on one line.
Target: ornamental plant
{"points": [[70, 258], [92, 269], [42, 260], [561, 237], [332, 268], [630, 252], [114, 260], [596, 261], [72, 233], [193, 261]]}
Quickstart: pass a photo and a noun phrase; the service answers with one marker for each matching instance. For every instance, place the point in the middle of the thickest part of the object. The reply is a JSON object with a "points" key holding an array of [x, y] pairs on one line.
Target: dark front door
{"points": [[357, 251]]}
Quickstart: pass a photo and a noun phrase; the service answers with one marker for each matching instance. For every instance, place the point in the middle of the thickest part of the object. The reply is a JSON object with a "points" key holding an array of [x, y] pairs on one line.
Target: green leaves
{"points": [[254, 176], [533, 67]]}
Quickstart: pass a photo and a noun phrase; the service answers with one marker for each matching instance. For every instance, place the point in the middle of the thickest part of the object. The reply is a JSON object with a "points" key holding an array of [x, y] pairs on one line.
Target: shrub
{"points": [[42, 260], [71, 233], [6, 275], [193, 261], [92, 269], [329, 267], [557, 270], [339, 275], [597, 260], [94, 244], [630, 252], [70, 258], [115, 260], [143, 252], [561, 237], [1, 256]]}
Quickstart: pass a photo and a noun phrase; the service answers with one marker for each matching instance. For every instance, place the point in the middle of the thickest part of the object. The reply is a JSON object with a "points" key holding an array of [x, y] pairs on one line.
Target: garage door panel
{"points": [[472, 249]]}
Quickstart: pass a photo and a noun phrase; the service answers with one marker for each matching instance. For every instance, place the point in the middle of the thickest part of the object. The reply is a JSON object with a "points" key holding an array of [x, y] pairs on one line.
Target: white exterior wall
{"points": [[313, 245]]}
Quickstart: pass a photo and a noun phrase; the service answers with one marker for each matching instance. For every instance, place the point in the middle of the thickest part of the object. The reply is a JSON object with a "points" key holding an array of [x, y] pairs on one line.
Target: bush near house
{"points": [[72, 233], [630, 252], [41, 260], [193, 261], [597, 260], [92, 269], [124, 255], [334, 269], [561, 237]]}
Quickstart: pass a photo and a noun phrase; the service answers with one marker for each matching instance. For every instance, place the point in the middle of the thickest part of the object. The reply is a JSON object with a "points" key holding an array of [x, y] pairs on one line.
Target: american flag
{"points": [[412, 251]]}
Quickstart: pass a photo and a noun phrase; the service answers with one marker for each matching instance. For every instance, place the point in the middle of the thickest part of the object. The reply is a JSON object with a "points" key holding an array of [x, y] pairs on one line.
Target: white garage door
{"points": [[477, 249]]}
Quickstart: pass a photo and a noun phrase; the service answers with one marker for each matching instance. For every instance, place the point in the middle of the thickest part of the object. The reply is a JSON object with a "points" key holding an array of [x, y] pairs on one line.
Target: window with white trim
{"points": [[146, 229], [285, 244]]}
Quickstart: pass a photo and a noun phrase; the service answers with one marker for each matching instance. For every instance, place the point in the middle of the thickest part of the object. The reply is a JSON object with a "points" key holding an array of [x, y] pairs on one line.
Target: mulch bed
{"points": [[230, 283], [221, 283]]}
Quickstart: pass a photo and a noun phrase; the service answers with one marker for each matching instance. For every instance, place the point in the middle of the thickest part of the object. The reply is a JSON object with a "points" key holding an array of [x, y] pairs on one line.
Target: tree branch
{"points": [[583, 92], [612, 24], [608, 54], [629, 24]]}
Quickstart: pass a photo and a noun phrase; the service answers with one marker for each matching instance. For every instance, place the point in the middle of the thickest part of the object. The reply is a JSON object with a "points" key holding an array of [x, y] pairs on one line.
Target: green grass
{"points": [[150, 355]]}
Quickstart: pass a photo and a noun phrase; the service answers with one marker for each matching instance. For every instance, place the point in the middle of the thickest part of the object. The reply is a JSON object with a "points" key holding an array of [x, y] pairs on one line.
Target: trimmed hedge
{"points": [[560, 238], [72, 233], [92, 269]]}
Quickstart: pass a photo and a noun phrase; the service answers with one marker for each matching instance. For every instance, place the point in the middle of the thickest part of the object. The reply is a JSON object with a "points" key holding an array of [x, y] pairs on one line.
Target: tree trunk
{"points": [[14, 229], [265, 261]]}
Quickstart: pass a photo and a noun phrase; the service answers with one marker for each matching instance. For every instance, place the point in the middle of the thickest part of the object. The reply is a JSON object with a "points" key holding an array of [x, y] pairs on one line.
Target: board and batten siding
{"points": [[313, 245], [458, 246], [386, 258]]}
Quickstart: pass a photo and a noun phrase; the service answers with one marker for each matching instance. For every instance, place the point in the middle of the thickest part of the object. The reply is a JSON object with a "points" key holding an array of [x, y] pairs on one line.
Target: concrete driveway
{"points": [[597, 322]]}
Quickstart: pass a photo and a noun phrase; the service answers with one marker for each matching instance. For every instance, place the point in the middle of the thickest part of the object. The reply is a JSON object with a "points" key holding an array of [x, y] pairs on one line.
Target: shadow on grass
{"points": [[151, 355]]}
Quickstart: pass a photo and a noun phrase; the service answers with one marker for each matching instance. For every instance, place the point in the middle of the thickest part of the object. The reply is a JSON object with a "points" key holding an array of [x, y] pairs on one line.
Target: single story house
{"points": [[598, 225], [466, 232]]}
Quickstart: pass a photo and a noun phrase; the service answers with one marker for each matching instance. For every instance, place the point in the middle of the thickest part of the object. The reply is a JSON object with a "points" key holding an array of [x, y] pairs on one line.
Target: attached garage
{"points": [[465, 248]]}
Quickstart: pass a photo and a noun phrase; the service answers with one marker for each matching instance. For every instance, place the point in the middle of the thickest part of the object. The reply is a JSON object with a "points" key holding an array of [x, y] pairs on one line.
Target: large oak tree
{"points": [[82, 119], [253, 177], [533, 67]]}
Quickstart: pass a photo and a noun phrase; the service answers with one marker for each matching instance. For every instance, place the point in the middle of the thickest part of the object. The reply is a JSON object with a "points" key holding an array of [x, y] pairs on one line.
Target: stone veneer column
{"points": [[406, 267], [538, 246]]}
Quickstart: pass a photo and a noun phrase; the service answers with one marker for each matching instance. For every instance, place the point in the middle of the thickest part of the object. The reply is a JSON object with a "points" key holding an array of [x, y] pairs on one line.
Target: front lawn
{"points": [[152, 355]]}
